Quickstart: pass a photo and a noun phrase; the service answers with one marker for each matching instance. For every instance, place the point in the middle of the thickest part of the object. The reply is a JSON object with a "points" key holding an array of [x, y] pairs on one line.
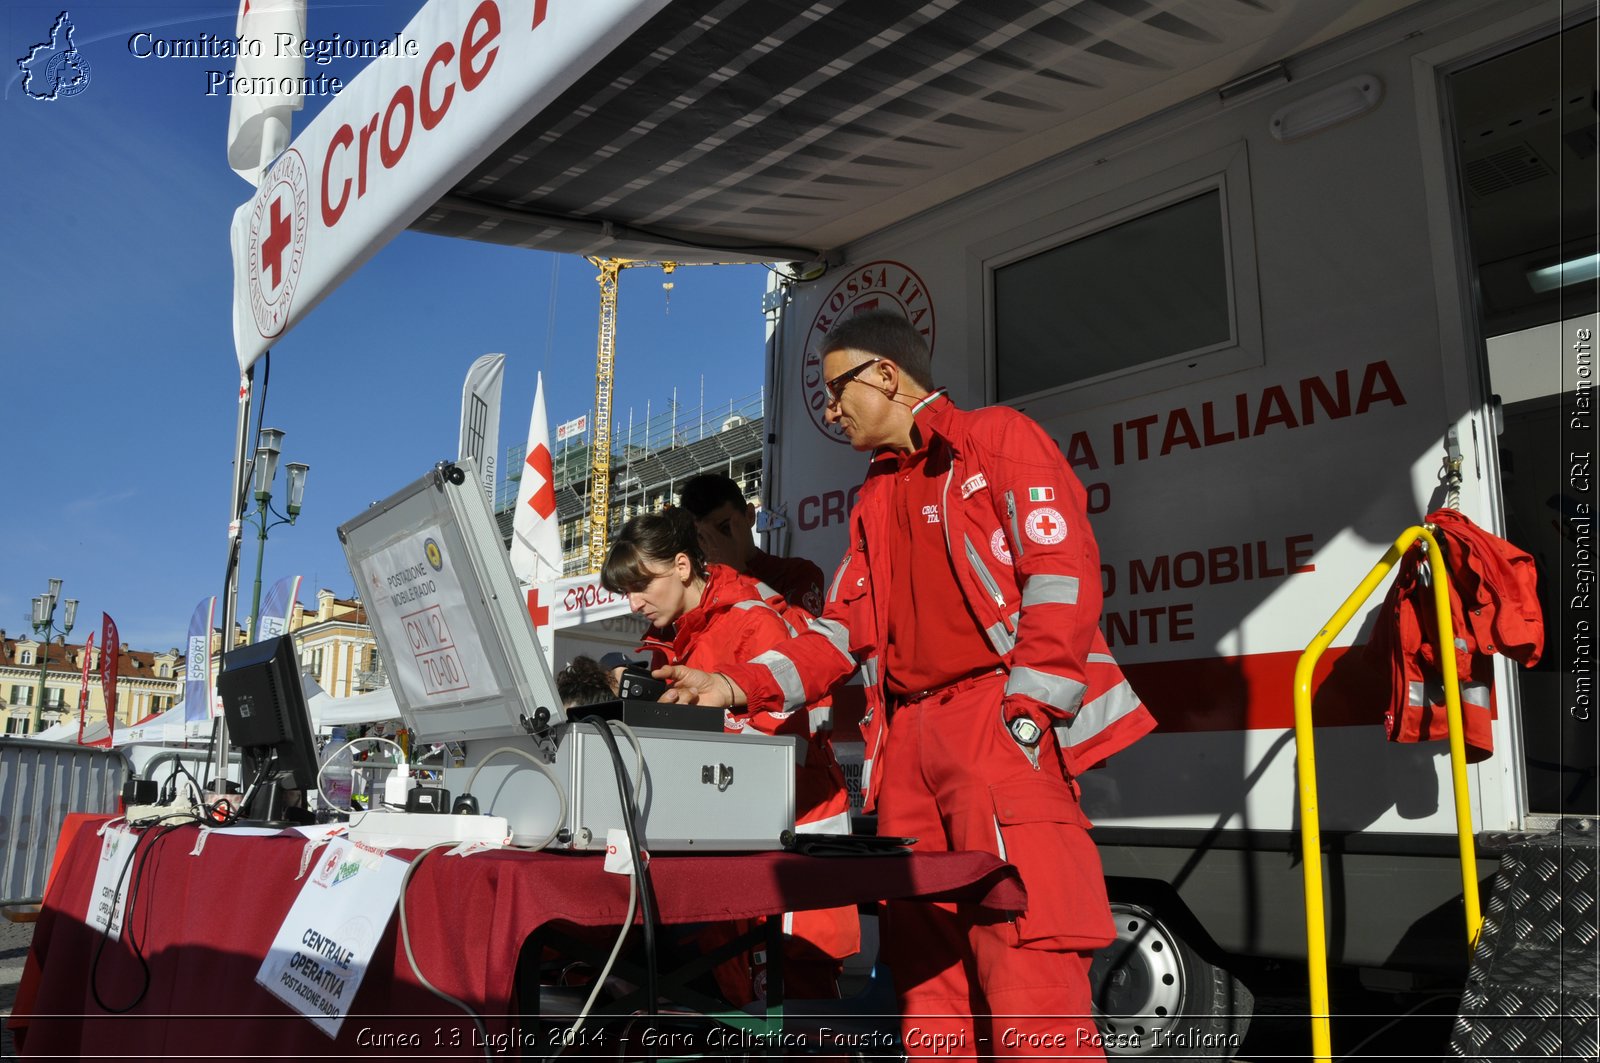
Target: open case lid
{"points": [[446, 610]]}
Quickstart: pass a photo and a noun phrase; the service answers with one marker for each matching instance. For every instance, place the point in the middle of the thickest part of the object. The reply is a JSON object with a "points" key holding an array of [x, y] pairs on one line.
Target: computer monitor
{"points": [[269, 721]]}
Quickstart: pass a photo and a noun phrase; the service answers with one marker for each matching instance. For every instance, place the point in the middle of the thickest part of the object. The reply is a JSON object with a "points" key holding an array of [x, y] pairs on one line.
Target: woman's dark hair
{"points": [[647, 544]]}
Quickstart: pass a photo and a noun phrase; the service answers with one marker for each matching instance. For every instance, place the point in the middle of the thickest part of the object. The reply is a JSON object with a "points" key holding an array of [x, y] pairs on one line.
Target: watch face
{"points": [[1025, 731]]}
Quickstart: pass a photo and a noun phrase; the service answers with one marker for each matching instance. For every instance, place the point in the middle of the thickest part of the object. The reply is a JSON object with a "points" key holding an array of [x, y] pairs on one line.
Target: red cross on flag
{"points": [[270, 32], [535, 530]]}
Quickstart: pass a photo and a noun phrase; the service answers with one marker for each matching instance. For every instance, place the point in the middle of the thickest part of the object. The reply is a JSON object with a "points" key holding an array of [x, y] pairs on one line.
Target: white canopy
{"points": [[67, 731], [718, 130]]}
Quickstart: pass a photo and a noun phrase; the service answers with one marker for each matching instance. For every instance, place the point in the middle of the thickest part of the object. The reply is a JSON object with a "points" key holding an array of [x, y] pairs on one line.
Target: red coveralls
{"points": [[798, 580], [1026, 567], [733, 622]]}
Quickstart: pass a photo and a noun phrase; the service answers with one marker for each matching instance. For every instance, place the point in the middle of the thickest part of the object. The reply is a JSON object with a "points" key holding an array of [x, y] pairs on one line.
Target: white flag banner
{"points": [[535, 526], [398, 136], [480, 418], [267, 84]]}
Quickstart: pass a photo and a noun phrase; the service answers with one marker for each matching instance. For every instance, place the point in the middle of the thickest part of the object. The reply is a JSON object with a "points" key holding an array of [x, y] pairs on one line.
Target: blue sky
{"points": [[118, 380]]}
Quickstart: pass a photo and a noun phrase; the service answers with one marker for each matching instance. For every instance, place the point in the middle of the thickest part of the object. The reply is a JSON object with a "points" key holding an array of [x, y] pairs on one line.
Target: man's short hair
{"points": [[885, 334], [582, 682], [708, 491]]}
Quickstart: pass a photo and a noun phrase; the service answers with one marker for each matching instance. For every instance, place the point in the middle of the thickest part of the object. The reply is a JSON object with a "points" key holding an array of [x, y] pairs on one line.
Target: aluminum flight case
{"points": [[702, 792]]}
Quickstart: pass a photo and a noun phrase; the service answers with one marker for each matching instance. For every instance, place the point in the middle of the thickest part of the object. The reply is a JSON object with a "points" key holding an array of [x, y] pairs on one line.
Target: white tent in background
{"points": [[166, 728], [95, 731]]}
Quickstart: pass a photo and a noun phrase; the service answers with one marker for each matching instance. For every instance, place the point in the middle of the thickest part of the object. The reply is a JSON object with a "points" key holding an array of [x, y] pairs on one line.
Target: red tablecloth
{"points": [[205, 922]]}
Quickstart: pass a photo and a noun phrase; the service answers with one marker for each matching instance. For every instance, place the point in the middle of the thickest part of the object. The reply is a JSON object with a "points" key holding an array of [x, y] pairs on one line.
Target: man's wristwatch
{"points": [[1025, 731]]}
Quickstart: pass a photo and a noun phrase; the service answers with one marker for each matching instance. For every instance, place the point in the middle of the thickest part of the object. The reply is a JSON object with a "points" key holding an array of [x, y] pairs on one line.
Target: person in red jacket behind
{"points": [[707, 616], [969, 597], [726, 523]]}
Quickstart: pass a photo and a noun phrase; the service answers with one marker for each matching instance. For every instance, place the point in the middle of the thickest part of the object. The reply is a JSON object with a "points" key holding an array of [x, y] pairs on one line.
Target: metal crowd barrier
{"points": [[40, 782]]}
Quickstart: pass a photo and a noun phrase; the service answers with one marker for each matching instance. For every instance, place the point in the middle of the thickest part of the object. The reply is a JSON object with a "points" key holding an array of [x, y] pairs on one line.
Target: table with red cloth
{"points": [[204, 923]]}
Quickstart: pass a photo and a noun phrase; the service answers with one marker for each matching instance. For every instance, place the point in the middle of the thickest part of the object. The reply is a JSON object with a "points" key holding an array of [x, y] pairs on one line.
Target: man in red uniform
{"points": [[726, 523], [970, 599]]}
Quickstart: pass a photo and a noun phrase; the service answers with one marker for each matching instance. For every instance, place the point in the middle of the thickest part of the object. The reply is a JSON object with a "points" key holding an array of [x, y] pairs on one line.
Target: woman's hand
{"points": [[693, 687]]}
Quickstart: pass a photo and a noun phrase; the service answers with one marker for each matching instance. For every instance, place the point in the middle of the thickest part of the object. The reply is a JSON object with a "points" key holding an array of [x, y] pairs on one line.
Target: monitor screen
{"points": [[267, 715]]}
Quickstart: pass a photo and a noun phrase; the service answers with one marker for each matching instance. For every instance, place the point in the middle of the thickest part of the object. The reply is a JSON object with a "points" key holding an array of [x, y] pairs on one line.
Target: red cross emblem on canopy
{"points": [[280, 231]]}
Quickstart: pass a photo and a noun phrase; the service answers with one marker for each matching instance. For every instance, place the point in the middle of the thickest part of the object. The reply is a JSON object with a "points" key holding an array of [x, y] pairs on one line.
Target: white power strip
{"points": [[418, 830], [183, 806]]}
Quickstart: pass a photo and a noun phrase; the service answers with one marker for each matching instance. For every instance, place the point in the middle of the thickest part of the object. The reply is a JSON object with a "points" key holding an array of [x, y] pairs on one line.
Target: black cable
{"points": [[630, 824], [139, 856]]}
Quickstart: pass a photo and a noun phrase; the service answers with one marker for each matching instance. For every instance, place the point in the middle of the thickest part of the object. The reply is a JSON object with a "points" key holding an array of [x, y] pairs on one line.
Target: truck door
{"points": [[1524, 128]]}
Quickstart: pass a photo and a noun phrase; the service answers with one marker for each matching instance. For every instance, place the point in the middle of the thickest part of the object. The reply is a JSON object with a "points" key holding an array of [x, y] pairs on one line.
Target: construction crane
{"points": [[604, 374]]}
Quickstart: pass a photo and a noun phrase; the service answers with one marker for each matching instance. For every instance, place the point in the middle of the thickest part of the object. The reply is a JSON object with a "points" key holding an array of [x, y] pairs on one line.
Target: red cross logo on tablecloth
{"points": [[278, 236], [539, 613], [543, 500]]}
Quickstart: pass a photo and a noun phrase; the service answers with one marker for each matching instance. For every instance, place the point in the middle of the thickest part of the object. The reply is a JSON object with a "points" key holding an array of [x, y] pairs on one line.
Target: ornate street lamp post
{"points": [[44, 622], [269, 444]]}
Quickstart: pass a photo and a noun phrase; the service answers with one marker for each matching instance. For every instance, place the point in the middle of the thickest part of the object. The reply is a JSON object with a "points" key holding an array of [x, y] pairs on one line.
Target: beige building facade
{"points": [[148, 682]]}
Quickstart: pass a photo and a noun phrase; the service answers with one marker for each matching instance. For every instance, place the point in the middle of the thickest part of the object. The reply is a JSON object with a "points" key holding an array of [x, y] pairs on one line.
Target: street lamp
{"points": [[269, 444], [44, 622]]}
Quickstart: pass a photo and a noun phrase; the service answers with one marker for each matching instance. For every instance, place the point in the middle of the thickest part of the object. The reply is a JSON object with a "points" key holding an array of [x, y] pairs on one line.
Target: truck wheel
{"points": [[1155, 996]]}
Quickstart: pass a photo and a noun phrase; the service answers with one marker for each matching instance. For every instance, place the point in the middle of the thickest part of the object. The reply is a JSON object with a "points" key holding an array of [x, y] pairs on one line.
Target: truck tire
{"points": [[1154, 995]]}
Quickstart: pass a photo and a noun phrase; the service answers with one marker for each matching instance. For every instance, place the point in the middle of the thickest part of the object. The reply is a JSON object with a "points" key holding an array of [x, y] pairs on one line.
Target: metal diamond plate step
{"points": [[1532, 989]]}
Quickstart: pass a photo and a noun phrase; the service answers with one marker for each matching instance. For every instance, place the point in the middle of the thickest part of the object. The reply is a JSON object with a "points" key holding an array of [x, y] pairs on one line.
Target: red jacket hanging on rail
{"points": [[1494, 608]]}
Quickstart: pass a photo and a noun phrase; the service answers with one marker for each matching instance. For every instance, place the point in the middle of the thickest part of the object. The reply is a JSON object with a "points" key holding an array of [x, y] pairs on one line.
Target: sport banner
{"points": [[276, 609], [197, 661]]}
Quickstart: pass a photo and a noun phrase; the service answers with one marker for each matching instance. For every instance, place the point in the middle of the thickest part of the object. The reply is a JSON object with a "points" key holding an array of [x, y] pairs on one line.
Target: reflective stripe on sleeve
{"points": [[747, 605], [1065, 694], [820, 718], [1050, 590], [837, 634], [869, 672], [786, 675], [1098, 715]]}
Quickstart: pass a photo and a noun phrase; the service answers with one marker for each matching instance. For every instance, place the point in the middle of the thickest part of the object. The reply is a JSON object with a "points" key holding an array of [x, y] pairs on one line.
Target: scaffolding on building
{"points": [[648, 462]]}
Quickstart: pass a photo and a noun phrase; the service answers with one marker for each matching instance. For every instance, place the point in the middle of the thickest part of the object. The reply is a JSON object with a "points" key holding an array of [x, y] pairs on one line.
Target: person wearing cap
{"points": [[969, 598], [708, 615], [726, 523]]}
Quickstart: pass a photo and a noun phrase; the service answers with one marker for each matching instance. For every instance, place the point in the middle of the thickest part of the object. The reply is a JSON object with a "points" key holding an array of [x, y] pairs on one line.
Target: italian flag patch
{"points": [[1041, 494]]}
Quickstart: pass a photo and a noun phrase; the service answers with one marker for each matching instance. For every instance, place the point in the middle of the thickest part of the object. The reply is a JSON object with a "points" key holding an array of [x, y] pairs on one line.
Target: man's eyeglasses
{"points": [[836, 386]]}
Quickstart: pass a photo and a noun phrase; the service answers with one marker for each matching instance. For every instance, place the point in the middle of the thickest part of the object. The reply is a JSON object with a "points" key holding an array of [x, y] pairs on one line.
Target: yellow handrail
{"points": [[1306, 768]]}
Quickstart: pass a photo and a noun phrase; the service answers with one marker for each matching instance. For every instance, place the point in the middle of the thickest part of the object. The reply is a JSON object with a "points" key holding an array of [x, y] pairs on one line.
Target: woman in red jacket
{"points": [[708, 617]]}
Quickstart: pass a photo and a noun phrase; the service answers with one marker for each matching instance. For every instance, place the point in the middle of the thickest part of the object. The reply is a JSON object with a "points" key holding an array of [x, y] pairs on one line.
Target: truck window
{"points": [[1138, 292]]}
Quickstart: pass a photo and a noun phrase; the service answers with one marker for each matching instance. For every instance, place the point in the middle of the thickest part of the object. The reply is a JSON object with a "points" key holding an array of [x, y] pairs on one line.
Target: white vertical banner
{"points": [[480, 418], [269, 33], [536, 529]]}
